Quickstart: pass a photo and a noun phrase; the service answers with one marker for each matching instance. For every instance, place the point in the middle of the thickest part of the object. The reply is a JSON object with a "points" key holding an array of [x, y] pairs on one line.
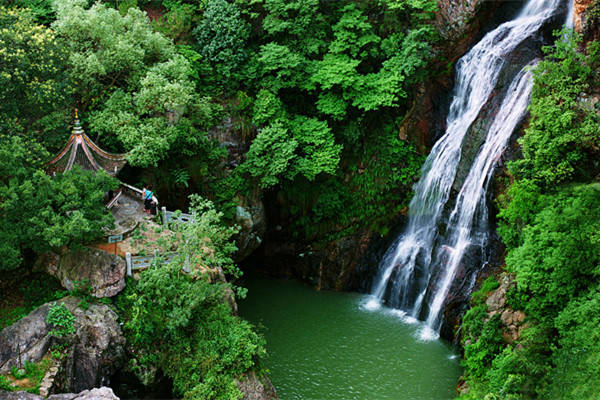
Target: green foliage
{"points": [[137, 90], [35, 88], [26, 295], [33, 373], [380, 174], [577, 357], [563, 132], [41, 212], [61, 319], [182, 325], [550, 226], [41, 10], [181, 322], [480, 334], [206, 240], [331, 80], [560, 255], [487, 286], [221, 42], [270, 154], [5, 384]]}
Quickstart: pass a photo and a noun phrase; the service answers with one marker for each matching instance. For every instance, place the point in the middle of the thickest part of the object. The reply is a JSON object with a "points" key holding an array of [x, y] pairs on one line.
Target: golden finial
{"points": [[76, 113]]}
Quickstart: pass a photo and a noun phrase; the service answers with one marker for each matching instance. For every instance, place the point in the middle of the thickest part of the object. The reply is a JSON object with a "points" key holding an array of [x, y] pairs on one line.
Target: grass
{"points": [[28, 380]]}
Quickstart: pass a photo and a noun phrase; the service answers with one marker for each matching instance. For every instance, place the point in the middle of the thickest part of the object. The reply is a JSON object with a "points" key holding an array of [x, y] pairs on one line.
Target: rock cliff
{"points": [[93, 353]]}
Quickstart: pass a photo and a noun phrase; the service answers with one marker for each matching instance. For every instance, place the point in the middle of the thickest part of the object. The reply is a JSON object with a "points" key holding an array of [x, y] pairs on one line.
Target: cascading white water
{"points": [[569, 22], [471, 198], [406, 270]]}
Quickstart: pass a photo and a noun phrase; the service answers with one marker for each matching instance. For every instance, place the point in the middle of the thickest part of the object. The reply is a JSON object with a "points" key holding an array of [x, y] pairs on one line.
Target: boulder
{"points": [[94, 352], [19, 396], [29, 336], [497, 299], [103, 271], [103, 393], [255, 388]]}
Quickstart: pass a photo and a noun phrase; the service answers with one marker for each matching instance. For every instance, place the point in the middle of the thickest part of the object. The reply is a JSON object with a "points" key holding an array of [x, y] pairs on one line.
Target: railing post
{"points": [[164, 214], [128, 260]]}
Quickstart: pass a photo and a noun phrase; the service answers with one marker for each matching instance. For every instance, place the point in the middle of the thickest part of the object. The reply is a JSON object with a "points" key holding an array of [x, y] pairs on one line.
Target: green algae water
{"points": [[325, 345]]}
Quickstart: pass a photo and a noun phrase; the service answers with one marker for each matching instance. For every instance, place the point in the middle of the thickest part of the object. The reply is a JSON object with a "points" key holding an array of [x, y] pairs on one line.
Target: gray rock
{"points": [[103, 393], [250, 216], [19, 396], [497, 299], [255, 388], [28, 336], [95, 351], [105, 272]]}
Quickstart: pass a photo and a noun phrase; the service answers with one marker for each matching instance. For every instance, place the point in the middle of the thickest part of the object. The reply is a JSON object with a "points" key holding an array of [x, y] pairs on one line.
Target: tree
{"points": [[35, 87], [181, 323], [221, 41], [134, 86], [562, 139], [40, 213]]}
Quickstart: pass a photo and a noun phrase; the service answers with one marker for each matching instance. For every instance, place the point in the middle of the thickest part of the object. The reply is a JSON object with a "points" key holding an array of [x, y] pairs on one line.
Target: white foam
{"points": [[372, 304], [427, 334]]}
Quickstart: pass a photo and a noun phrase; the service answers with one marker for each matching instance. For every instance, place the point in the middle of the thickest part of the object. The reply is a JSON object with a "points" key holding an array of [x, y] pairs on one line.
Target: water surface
{"points": [[325, 345]]}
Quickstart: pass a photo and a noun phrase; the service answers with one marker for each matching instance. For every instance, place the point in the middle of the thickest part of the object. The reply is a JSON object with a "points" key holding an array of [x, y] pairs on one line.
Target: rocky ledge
{"points": [[94, 353], [102, 271], [103, 393]]}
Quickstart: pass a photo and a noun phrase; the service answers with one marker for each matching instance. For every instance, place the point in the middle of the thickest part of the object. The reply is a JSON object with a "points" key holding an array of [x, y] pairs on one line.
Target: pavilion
{"points": [[125, 203], [81, 150]]}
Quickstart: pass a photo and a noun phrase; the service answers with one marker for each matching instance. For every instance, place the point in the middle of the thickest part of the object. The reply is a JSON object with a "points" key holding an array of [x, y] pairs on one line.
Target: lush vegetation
{"points": [[550, 225], [182, 323], [40, 213], [311, 92], [28, 379]]}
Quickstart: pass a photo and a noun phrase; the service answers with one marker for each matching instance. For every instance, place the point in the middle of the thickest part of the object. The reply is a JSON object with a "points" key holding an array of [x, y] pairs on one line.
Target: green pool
{"points": [[325, 345]]}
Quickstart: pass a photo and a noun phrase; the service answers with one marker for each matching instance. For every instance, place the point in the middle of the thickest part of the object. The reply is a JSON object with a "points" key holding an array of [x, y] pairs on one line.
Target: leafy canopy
{"points": [[39, 212], [181, 323]]}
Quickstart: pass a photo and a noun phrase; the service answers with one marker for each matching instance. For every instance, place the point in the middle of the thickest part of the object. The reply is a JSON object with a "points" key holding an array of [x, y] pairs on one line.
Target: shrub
{"points": [[61, 319]]}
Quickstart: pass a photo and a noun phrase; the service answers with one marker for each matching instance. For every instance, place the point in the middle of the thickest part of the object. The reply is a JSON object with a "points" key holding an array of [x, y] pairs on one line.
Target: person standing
{"points": [[147, 197]]}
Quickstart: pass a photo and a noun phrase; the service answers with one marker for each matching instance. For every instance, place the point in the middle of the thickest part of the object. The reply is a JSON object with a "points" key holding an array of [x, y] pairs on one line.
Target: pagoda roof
{"points": [[81, 150]]}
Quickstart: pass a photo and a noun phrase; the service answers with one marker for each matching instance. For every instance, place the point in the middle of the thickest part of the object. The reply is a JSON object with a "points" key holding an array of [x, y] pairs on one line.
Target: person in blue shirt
{"points": [[147, 196]]}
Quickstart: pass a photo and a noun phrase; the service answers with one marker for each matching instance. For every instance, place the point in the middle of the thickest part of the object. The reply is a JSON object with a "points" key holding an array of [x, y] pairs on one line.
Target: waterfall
{"points": [[569, 22], [417, 270]]}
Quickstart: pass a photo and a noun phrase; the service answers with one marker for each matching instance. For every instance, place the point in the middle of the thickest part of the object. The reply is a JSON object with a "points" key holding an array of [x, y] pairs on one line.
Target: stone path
{"points": [[48, 379]]}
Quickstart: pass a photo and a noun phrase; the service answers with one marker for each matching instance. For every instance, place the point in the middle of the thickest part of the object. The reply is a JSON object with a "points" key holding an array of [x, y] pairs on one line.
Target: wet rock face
{"points": [[455, 19], [103, 271], [584, 20], [94, 352], [250, 217], [250, 211], [331, 265], [254, 388]]}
